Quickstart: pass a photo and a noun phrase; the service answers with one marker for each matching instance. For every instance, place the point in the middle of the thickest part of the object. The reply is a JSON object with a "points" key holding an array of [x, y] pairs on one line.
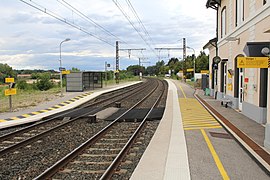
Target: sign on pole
{"points": [[253, 62], [190, 70], [66, 72], [204, 71], [9, 80], [11, 91]]}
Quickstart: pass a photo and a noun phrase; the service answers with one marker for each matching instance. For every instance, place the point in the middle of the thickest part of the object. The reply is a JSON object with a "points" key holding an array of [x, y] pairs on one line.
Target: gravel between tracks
{"points": [[30, 161]]}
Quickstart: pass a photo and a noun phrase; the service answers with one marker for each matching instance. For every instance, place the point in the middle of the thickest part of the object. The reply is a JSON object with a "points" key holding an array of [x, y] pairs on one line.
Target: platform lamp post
{"points": [[60, 68], [193, 62]]}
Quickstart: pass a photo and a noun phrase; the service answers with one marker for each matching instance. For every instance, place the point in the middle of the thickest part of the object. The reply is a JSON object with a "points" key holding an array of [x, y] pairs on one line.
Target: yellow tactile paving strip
{"points": [[195, 116], [48, 109]]}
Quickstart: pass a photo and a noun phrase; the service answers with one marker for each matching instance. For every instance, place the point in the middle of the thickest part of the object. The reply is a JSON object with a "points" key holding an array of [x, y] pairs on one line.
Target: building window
{"points": [[264, 2], [239, 12], [223, 22]]}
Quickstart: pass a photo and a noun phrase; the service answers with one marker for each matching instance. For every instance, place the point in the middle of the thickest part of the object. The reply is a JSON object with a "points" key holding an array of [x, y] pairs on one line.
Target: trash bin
{"points": [[207, 92]]}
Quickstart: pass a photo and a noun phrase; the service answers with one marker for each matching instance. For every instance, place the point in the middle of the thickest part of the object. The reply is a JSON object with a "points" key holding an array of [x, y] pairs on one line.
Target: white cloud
{"points": [[30, 38]]}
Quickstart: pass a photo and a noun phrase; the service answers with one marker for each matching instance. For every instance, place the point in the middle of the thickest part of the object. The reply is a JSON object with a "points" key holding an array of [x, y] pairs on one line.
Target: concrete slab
{"points": [[166, 155]]}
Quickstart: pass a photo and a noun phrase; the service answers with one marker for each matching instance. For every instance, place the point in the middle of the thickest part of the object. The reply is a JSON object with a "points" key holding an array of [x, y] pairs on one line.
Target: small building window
{"points": [[264, 2], [239, 12], [223, 22]]}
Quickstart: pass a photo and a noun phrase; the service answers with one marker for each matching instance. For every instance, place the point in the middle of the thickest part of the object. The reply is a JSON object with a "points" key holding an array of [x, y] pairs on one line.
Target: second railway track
{"points": [[28, 161]]}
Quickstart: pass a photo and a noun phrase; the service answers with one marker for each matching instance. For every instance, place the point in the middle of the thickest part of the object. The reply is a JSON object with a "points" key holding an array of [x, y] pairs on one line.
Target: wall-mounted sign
{"points": [[253, 62]]}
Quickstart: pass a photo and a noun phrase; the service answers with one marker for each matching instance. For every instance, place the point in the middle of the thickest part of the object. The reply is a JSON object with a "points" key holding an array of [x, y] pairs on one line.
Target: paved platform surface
{"points": [[251, 128], [166, 155], [68, 101]]}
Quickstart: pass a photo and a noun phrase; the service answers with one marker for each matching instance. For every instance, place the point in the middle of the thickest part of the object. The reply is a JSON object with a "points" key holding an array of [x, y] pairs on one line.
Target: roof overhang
{"points": [[211, 43], [213, 4], [254, 49]]}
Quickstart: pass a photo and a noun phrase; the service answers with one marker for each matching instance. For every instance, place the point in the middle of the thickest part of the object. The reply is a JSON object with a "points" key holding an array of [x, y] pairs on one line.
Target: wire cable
{"points": [[64, 20]]}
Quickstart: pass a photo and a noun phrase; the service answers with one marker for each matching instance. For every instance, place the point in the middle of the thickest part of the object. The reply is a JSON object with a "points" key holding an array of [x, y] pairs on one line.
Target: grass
{"points": [[26, 98], [30, 98]]}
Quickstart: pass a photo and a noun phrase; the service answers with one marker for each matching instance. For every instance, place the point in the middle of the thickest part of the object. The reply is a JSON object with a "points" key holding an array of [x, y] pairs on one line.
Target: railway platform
{"points": [[68, 101], [167, 157]]}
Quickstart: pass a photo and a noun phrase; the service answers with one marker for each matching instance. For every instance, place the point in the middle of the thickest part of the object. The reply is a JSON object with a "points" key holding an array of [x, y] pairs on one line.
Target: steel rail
{"points": [[28, 128], [40, 135], [111, 169], [48, 173]]}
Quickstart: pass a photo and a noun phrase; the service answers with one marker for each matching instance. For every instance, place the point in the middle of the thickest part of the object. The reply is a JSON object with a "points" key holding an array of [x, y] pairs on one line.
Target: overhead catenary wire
{"points": [[118, 5], [82, 15], [64, 20]]}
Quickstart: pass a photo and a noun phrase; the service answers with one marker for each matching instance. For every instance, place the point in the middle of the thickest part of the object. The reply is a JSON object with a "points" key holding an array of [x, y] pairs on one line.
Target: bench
{"points": [[226, 102]]}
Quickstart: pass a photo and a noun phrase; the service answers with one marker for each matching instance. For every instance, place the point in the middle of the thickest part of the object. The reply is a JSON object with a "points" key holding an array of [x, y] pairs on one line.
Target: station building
{"points": [[243, 30]]}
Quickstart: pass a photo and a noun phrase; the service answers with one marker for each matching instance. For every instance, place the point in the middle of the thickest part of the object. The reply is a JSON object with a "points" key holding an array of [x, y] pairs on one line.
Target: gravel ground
{"points": [[30, 161]]}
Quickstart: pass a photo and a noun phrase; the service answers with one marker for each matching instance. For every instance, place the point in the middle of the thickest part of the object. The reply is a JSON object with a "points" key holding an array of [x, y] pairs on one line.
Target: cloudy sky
{"points": [[30, 34]]}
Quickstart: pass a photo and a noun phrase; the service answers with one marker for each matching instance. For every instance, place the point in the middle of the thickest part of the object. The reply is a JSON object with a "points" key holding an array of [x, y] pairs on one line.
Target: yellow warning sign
{"points": [[204, 71], [66, 72], [189, 70], [11, 91], [9, 80], [253, 62]]}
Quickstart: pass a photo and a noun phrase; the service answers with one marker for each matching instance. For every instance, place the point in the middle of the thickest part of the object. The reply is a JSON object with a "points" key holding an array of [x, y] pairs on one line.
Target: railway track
{"points": [[99, 157], [21, 137], [37, 155]]}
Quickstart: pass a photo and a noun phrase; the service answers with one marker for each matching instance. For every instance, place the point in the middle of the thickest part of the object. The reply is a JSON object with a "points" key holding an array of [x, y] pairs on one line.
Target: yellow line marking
{"points": [[69, 101], [26, 115], [15, 118], [35, 112], [64, 103], [57, 106], [2, 120], [182, 91], [199, 128], [192, 118], [200, 123], [51, 108], [215, 156], [205, 118], [44, 110]]}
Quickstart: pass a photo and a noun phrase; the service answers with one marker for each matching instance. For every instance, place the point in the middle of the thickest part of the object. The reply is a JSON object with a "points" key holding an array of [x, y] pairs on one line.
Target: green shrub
{"points": [[43, 82], [22, 84]]}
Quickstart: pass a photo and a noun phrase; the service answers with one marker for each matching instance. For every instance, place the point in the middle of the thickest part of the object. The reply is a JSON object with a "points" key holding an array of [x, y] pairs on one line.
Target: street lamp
{"points": [[194, 62], [60, 68]]}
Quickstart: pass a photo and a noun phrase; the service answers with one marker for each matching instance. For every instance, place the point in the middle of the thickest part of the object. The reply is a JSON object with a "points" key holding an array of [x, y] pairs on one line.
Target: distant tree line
{"points": [[174, 65]]}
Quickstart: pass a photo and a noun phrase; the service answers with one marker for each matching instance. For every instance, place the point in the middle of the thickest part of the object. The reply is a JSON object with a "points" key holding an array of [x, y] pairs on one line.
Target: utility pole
{"points": [[168, 49], [117, 64], [117, 58]]}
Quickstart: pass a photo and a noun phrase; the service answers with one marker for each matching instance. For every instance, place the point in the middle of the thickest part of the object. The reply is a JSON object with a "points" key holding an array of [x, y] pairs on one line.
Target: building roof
{"points": [[211, 42], [213, 4]]}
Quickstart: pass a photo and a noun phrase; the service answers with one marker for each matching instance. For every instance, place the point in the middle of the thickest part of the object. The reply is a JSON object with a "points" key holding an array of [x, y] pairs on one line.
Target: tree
{"points": [[43, 82], [202, 62], [73, 69], [6, 71], [136, 69]]}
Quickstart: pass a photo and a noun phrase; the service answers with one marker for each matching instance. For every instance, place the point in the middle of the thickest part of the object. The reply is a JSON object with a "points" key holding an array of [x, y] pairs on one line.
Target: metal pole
{"points": [[60, 69], [117, 63], [105, 73], [184, 57], [10, 103], [61, 81]]}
